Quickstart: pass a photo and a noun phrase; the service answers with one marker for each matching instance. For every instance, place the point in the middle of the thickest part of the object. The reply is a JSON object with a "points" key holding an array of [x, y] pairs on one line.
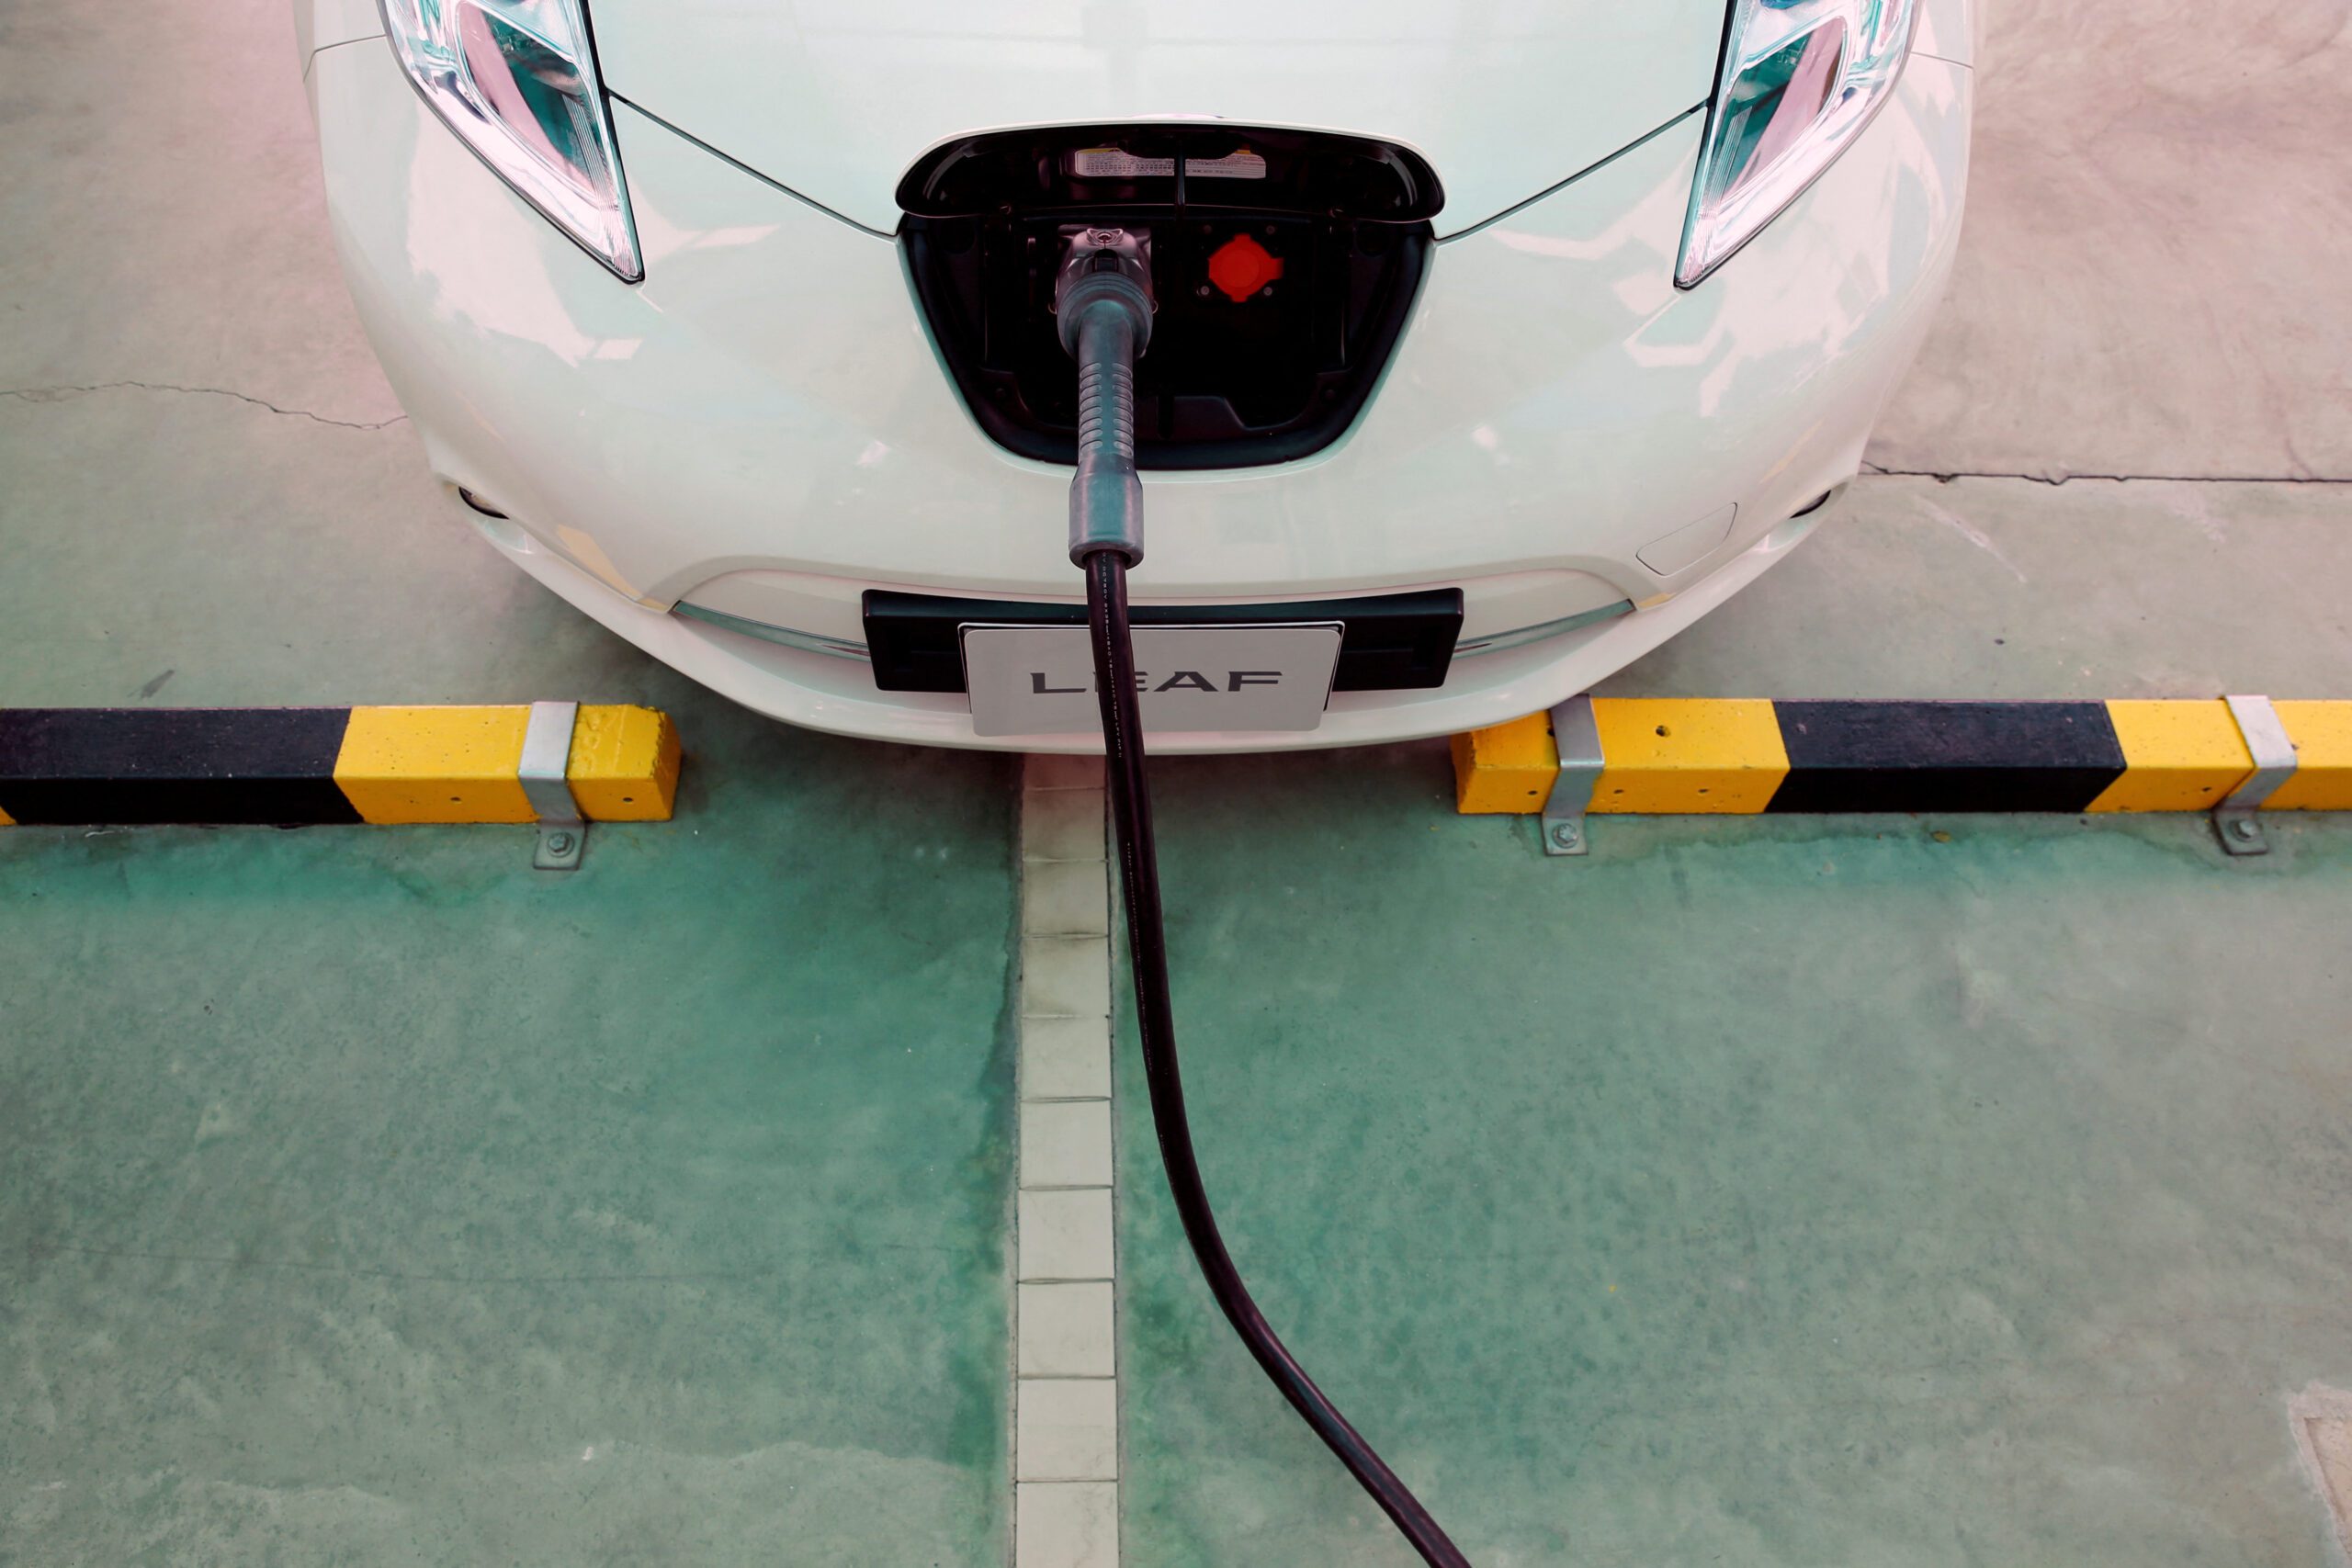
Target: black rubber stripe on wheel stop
{"points": [[131, 765], [1891, 756]]}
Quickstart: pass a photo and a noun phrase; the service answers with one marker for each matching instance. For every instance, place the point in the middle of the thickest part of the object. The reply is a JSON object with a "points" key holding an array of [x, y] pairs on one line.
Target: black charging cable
{"points": [[1105, 322]]}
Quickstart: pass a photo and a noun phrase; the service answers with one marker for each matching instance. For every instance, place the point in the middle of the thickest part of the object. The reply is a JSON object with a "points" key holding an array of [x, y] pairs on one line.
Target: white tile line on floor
{"points": [[1066, 1389]]}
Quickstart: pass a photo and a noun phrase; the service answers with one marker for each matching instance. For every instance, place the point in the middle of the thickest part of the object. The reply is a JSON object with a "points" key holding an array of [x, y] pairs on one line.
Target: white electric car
{"points": [[1508, 338]]}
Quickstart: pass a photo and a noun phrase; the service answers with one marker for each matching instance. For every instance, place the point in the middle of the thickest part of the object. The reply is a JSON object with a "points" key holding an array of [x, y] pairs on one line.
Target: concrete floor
{"points": [[2149, 281], [1874, 1190]]}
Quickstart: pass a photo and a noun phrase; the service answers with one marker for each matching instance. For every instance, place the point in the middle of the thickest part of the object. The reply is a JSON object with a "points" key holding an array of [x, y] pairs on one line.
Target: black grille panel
{"points": [[1225, 383]]}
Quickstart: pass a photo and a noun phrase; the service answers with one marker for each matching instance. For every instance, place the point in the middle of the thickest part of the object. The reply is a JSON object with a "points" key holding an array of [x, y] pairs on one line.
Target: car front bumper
{"points": [[761, 431]]}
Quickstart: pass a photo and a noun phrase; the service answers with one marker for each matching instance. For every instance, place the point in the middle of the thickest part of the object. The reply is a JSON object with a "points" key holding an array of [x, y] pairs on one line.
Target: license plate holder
{"points": [[1039, 680]]}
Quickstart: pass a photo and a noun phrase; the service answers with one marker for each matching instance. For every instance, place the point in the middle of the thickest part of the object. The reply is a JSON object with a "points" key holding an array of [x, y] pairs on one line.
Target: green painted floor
{"points": [[366, 1197], [1875, 1191]]}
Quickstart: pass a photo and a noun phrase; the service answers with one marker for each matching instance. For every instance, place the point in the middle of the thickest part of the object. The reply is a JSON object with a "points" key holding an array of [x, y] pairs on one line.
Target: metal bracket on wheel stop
{"points": [[546, 759], [1578, 740], [2274, 763]]}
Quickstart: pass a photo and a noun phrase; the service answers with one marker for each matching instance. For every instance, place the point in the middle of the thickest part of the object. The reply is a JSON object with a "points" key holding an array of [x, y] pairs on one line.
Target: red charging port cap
{"points": [[1241, 266]]}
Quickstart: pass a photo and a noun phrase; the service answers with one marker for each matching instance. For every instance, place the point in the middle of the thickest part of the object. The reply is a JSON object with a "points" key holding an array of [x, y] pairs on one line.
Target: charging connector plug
{"points": [[1102, 304]]}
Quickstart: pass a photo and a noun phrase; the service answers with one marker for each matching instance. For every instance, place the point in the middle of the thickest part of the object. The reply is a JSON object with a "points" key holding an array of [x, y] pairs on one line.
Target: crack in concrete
{"points": [[1945, 477], [63, 394]]}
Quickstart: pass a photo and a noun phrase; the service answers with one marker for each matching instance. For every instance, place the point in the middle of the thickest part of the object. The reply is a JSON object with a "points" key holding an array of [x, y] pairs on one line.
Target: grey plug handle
{"points": [[1105, 322], [1105, 496]]}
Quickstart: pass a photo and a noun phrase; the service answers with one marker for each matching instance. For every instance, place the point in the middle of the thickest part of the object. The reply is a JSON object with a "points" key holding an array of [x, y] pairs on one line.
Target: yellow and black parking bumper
{"points": [[1713, 755], [290, 767]]}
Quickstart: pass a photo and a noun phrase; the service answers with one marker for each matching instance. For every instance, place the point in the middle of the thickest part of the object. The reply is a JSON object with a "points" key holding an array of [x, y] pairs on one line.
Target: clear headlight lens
{"points": [[1800, 80], [516, 80]]}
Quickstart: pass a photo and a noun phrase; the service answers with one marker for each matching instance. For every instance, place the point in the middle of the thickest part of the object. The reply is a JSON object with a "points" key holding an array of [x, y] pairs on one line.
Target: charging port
{"points": [[1284, 265]]}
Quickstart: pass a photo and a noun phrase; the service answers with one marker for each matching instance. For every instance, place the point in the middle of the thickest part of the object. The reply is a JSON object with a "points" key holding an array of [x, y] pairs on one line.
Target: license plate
{"points": [[1040, 680]]}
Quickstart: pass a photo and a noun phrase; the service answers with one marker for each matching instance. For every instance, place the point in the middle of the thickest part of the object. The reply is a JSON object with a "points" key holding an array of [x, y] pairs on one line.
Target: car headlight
{"points": [[1800, 80], [516, 80]]}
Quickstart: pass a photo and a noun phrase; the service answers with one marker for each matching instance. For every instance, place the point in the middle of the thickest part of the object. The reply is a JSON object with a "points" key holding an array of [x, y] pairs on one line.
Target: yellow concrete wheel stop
{"points": [[2178, 756], [1687, 755], [435, 764], [1508, 768], [2322, 736], [624, 765]]}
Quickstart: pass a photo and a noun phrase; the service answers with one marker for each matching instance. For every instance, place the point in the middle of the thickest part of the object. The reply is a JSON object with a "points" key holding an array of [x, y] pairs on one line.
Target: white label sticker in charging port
{"points": [[1040, 680], [1118, 163]]}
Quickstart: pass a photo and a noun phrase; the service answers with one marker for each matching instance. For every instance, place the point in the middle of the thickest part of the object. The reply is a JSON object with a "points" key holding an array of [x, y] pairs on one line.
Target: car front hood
{"points": [[834, 99]]}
